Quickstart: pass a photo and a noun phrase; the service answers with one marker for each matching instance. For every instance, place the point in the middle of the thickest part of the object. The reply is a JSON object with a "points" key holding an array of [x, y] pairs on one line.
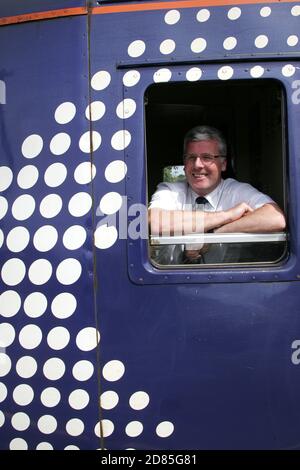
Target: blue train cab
{"points": [[109, 337]]}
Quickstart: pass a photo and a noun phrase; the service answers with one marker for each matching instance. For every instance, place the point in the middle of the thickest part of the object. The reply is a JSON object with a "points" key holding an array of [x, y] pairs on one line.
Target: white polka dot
{"points": [[203, 15], [17, 239], [115, 171], [83, 370], [110, 203], [113, 370], [32, 146], [71, 447], [193, 74], [139, 400], [198, 45], [84, 173], [35, 304], [23, 394], [50, 397], [1, 238], [40, 271], [136, 48], [234, 13], [80, 204], [13, 271], [295, 10], [162, 75], [265, 11], [68, 271], [105, 236], [55, 175], [95, 111], [45, 238], [292, 40], [87, 339], [79, 399], [85, 141], [256, 71], [225, 72], [134, 429], [107, 427], [27, 177], [18, 444], [131, 78], [47, 424], [60, 143], [44, 446], [50, 206], [7, 335], [23, 207], [165, 429], [65, 112], [167, 46], [126, 108], [288, 70], [120, 140], [6, 177], [5, 364], [230, 43], [54, 368], [10, 303], [20, 421], [3, 207], [74, 237], [3, 392], [172, 17], [75, 427], [26, 367], [100, 80], [58, 338], [109, 400], [261, 41], [63, 305], [30, 336], [2, 418]]}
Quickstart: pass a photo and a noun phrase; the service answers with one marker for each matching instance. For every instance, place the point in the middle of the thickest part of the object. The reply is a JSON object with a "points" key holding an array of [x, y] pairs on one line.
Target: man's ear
{"points": [[224, 164]]}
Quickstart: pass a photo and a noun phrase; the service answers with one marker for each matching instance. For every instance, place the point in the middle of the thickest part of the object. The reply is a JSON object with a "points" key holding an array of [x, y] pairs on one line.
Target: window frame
{"points": [[140, 267]]}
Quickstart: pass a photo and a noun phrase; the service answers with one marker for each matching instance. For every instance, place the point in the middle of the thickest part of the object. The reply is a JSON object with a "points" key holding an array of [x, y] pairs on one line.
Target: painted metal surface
{"points": [[183, 362], [15, 7], [48, 357]]}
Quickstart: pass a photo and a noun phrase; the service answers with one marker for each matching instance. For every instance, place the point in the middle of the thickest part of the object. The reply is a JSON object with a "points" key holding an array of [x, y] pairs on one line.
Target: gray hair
{"points": [[199, 133]]}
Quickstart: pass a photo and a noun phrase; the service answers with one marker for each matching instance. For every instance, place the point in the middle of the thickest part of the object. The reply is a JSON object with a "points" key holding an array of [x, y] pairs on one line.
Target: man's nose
{"points": [[198, 162]]}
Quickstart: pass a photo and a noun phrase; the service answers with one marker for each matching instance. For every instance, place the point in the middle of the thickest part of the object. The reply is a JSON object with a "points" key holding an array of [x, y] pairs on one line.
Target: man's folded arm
{"points": [[180, 222], [266, 219]]}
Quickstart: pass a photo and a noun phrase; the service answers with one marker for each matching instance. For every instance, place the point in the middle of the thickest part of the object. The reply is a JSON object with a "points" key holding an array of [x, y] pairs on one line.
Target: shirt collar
{"points": [[213, 197]]}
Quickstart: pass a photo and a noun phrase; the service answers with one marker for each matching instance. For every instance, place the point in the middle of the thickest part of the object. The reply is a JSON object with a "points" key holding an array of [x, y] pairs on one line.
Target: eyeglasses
{"points": [[206, 158]]}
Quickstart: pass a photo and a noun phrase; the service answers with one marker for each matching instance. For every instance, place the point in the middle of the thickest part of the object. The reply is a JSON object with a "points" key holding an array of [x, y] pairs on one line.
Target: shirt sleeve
{"points": [[253, 197], [164, 198]]}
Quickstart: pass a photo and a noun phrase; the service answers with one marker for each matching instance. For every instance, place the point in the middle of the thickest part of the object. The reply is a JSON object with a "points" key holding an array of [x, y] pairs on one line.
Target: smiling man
{"points": [[225, 205]]}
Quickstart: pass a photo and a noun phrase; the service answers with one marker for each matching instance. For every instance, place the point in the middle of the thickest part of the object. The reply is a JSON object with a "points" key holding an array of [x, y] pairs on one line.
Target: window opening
{"points": [[250, 114]]}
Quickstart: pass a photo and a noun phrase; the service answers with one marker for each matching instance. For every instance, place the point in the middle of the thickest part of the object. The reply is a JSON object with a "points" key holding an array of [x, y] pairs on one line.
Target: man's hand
{"points": [[238, 211]]}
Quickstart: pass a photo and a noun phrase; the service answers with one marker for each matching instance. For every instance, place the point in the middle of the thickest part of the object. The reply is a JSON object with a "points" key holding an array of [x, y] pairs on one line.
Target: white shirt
{"points": [[229, 193], [180, 196]]}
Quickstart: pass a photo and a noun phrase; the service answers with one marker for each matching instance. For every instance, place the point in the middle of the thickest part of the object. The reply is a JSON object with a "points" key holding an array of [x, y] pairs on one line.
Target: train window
{"points": [[250, 115]]}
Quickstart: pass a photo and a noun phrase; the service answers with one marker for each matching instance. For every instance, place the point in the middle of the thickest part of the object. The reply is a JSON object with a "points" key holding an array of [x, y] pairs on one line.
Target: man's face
{"points": [[203, 177]]}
